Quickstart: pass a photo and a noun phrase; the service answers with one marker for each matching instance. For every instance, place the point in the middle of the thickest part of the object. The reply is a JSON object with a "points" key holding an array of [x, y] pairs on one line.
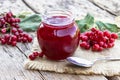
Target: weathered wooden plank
{"points": [[114, 78], [56, 76], [79, 7], [11, 65], [113, 7], [53, 76], [16, 6]]}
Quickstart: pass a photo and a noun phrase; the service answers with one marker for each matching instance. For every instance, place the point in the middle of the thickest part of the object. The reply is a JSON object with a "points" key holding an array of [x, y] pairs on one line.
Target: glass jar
{"points": [[58, 35]]}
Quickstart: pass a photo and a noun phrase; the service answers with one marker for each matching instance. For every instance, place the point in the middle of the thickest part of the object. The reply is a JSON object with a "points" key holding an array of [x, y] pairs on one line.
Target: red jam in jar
{"points": [[58, 35]]}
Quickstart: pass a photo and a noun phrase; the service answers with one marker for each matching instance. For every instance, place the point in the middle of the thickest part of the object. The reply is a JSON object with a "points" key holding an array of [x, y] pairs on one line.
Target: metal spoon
{"points": [[86, 63]]}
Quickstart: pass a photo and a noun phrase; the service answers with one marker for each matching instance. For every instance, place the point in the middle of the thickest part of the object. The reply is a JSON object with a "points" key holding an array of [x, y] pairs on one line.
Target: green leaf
{"points": [[30, 23], [108, 26], [85, 23], [118, 35], [23, 15]]}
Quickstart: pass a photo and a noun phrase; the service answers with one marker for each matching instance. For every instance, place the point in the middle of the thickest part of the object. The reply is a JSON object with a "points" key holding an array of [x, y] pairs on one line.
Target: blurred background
{"points": [[104, 9]]}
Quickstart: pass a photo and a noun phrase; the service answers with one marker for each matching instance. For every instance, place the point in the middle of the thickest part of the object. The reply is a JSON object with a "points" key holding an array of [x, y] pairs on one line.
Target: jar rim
{"points": [[68, 12], [51, 13]]}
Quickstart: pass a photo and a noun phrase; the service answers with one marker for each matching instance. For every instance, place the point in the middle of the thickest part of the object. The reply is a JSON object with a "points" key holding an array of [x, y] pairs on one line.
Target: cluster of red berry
{"points": [[97, 39], [11, 33], [35, 55]]}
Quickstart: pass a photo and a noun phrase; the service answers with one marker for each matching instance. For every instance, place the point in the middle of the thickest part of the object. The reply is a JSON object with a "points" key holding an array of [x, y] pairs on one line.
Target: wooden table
{"points": [[12, 58]]}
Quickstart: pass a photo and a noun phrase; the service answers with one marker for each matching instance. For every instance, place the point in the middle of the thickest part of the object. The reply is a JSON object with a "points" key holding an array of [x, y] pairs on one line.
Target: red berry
{"points": [[93, 29], [24, 39], [16, 34], [95, 47], [21, 34], [35, 54], [107, 34], [32, 57], [101, 43], [13, 43], [5, 18], [91, 37], [105, 39], [87, 46], [17, 26], [114, 35], [95, 38], [84, 38], [105, 46], [9, 42], [3, 41], [100, 33], [7, 36], [88, 34], [17, 20], [2, 21], [3, 30], [83, 44], [110, 45], [12, 20], [13, 25], [29, 39], [25, 35], [20, 30], [92, 43], [14, 38], [100, 49], [9, 14], [111, 40], [41, 54], [14, 30], [8, 20], [19, 39]]}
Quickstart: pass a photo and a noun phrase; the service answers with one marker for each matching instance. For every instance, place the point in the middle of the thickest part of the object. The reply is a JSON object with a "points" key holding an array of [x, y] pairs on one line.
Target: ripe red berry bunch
{"points": [[10, 31], [34, 55], [97, 40]]}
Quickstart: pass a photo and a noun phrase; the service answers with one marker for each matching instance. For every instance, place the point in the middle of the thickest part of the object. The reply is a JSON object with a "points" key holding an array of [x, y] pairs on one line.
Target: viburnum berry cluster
{"points": [[11, 33], [97, 40], [34, 55]]}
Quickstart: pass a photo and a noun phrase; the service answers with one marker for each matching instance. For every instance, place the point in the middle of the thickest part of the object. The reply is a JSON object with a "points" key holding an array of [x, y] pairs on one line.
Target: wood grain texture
{"points": [[112, 7], [53, 76], [114, 78], [16, 6], [11, 65], [79, 7]]}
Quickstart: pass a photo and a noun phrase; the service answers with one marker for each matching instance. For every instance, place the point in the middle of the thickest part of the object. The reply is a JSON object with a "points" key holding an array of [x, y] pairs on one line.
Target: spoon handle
{"points": [[113, 59], [107, 59]]}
